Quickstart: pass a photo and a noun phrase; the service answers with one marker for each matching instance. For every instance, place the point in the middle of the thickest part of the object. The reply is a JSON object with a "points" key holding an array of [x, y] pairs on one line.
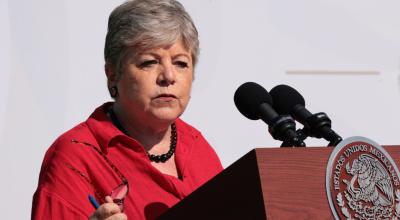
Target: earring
{"points": [[113, 91]]}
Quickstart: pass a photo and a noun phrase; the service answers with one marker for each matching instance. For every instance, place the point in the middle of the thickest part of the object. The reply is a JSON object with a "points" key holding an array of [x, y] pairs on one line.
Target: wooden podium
{"points": [[266, 183]]}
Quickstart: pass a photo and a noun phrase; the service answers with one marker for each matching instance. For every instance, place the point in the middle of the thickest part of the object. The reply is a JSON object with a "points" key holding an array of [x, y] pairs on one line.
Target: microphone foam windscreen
{"points": [[286, 98], [248, 97]]}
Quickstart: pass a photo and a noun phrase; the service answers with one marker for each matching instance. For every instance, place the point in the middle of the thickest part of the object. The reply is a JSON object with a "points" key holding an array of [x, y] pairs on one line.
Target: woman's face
{"points": [[156, 83]]}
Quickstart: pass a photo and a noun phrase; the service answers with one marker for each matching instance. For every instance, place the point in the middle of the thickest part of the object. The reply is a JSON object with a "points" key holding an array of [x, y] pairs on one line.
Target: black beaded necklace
{"points": [[155, 158]]}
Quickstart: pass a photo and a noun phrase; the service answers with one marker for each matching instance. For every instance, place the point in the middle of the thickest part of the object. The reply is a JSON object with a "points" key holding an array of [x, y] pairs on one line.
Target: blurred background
{"points": [[342, 56]]}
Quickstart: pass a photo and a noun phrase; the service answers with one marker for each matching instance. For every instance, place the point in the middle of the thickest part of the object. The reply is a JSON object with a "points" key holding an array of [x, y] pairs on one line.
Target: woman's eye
{"points": [[147, 63], [181, 64]]}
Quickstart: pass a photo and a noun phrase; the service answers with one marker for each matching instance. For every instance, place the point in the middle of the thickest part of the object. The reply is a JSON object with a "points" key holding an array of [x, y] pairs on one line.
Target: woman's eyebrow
{"points": [[141, 56], [181, 55], [150, 53]]}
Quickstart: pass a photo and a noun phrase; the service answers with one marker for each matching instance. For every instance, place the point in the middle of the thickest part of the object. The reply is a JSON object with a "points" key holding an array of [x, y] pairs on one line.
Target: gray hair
{"points": [[146, 24]]}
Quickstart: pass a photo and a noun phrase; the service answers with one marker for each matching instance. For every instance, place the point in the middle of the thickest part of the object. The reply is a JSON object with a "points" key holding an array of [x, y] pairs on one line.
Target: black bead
{"points": [[164, 157]]}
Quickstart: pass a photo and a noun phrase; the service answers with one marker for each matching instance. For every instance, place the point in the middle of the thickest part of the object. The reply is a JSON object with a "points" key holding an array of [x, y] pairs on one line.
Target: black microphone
{"points": [[254, 102], [287, 100]]}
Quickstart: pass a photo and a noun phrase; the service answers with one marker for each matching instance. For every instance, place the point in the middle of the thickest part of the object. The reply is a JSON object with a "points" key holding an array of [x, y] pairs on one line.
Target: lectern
{"points": [[266, 183]]}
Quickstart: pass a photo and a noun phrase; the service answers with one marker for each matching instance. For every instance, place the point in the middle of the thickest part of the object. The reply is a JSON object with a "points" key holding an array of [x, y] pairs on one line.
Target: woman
{"points": [[134, 156]]}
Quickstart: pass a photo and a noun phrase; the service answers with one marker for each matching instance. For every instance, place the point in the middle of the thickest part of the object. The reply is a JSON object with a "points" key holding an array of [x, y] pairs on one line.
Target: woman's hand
{"points": [[108, 211]]}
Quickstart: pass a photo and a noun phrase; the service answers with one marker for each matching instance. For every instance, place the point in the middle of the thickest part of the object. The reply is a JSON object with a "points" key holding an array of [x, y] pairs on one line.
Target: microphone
{"points": [[287, 100], [254, 102]]}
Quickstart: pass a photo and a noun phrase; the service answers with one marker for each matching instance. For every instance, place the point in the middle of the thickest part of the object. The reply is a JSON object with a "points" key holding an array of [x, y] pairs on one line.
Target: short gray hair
{"points": [[145, 24]]}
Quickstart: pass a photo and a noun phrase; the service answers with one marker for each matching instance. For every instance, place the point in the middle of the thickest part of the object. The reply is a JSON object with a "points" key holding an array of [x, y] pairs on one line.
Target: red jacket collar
{"points": [[105, 132], [102, 128]]}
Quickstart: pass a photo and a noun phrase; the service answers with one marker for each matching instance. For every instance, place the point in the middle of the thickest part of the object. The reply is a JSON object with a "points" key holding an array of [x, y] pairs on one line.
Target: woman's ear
{"points": [[112, 79], [112, 76]]}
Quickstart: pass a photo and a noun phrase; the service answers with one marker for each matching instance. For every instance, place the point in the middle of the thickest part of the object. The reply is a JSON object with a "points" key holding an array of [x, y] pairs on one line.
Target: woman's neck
{"points": [[152, 135]]}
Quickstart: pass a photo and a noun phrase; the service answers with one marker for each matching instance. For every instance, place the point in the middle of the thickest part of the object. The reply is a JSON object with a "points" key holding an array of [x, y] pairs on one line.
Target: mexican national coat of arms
{"points": [[362, 181]]}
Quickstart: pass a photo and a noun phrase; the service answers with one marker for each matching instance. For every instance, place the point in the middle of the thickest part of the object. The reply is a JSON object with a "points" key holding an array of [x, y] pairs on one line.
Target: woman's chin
{"points": [[166, 114]]}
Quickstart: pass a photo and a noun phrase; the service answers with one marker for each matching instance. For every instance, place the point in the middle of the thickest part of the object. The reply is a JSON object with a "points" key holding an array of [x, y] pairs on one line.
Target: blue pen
{"points": [[93, 201]]}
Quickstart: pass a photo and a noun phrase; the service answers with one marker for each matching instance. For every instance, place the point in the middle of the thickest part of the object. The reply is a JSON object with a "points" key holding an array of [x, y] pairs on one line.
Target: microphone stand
{"points": [[319, 126], [284, 129]]}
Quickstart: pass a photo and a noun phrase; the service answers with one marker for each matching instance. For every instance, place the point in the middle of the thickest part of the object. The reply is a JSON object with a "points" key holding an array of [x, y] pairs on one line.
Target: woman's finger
{"points": [[109, 199], [118, 216]]}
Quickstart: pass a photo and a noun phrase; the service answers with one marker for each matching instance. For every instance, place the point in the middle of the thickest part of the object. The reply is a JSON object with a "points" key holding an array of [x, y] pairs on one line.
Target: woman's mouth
{"points": [[166, 97]]}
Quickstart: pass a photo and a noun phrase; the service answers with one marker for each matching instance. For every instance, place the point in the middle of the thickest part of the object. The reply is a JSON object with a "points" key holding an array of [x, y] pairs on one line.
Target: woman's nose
{"points": [[167, 75]]}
